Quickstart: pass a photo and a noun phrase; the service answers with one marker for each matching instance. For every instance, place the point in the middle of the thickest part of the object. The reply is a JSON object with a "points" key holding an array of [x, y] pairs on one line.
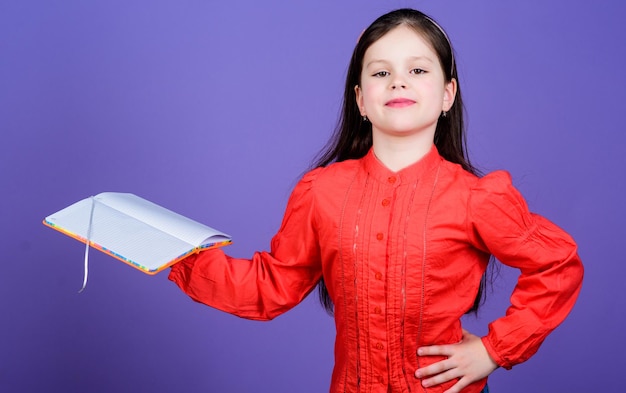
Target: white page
{"points": [[159, 217], [139, 243]]}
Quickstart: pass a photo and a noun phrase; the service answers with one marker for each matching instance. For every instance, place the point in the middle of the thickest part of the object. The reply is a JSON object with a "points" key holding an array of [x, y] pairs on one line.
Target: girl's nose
{"points": [[398, 83]]}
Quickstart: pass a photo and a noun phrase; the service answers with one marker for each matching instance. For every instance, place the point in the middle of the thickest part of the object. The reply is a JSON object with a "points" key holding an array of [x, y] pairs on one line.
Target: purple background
{"points": [[214, 109]]}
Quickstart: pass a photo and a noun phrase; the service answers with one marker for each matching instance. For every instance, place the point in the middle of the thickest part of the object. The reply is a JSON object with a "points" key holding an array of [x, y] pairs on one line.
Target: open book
{"points": [[136, 231]]}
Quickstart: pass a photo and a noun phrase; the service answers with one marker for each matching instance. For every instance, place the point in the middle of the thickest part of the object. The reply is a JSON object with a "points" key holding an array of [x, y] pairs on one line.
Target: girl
{"points": [[397, 229]]}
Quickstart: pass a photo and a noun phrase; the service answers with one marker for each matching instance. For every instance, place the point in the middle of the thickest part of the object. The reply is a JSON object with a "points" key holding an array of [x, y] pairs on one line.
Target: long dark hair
{"points": [[353, 136]]}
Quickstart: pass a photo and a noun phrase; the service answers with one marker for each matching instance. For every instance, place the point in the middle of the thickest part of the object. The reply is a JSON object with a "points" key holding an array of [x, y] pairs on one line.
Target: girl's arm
{"points": [[551, 277], [551, 271], [269, 283]]}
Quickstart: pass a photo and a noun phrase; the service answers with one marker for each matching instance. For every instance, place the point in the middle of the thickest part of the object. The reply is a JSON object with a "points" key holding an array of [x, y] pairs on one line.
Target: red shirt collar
{"points": [[408, 175]]}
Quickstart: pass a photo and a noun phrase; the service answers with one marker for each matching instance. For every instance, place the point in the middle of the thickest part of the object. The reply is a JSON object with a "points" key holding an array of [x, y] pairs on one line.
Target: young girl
{"points": [[397, 229]]}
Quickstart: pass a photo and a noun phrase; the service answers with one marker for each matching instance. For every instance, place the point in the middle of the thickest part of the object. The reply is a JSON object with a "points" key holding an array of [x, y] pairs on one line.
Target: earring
{"points": [[444, 114], [365, 119]]}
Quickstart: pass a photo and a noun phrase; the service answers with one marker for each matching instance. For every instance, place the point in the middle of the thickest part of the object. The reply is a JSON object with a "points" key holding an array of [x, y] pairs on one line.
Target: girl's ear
{"points": [[359, 99], [449, 95]]}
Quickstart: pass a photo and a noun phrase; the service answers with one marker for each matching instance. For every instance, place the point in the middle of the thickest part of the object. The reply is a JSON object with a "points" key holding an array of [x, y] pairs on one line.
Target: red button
{"points": [[379, 236], [377, 310], [379, 346], [386, 202], [381, 379], [392, 179], [378, 275]]}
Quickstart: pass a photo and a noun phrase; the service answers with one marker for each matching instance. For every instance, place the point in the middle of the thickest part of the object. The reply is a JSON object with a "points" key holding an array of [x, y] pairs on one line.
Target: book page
{"points": [[113, 231], [159, 217]]}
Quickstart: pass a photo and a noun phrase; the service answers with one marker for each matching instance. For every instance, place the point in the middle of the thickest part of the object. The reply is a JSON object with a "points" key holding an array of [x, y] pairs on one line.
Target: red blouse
{"points": [[402, 254]]}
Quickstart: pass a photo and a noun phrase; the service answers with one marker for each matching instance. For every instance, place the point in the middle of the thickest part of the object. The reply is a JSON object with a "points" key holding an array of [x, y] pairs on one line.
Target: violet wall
{"points": [[214, 109]]}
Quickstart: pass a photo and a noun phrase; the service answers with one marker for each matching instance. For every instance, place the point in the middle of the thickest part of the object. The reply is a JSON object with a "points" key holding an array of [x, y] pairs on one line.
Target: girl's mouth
{"points": [[399, 102]]}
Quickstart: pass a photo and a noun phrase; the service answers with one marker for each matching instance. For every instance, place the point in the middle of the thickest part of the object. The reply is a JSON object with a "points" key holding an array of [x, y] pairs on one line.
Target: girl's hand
{"points": [[468, 361]]}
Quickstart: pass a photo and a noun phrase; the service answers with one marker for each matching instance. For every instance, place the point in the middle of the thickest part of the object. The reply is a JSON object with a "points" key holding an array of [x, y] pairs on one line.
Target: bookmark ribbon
{"points": [[87, 244]]}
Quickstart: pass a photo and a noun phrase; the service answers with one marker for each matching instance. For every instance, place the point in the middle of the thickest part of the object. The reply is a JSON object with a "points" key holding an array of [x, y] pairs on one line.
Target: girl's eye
{"points": [[381, 74], [417, 71]]}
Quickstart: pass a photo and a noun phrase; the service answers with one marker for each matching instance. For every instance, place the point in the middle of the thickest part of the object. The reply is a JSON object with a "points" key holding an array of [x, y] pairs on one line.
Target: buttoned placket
{"points": [[378, 286]]}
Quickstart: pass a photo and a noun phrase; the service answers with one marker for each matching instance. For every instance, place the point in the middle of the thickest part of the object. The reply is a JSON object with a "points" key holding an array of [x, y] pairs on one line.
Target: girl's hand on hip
{"points": [[468, 361]]}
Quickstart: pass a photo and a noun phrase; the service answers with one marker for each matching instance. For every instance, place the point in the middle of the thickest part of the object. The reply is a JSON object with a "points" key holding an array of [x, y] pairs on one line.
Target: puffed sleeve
{"points": [[270, 283], [550, 269]]}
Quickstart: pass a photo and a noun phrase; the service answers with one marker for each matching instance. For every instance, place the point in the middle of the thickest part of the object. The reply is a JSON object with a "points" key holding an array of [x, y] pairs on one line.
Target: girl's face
{"points": [[403, 89]]}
